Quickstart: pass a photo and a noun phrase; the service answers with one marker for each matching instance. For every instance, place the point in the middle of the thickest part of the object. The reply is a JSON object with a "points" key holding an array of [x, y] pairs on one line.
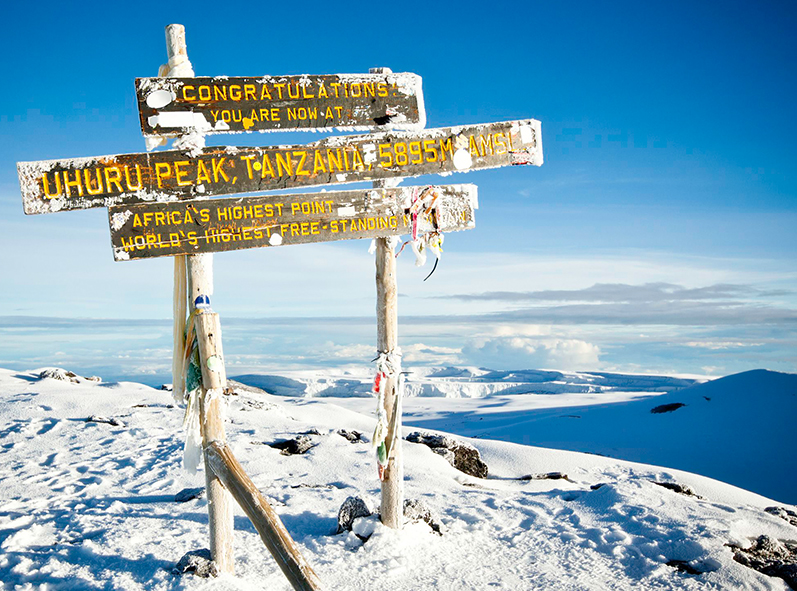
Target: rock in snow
{"points": [[196, 562], [351, 509], [463, 456], [772, 557]]}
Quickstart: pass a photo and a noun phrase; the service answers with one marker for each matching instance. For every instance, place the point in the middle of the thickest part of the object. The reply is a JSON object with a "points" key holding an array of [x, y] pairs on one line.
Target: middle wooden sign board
{"points": [[80, 183]]}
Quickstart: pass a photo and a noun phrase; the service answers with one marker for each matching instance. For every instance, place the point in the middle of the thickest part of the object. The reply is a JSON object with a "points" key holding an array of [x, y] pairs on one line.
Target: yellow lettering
{"points": [[299, 167], [130, 185], [45, 182], [163, 170], [284, 163], [202, 173], [318, 163], [87, 177], [113, 171], [218, 170], [179, 174], [77, 183]]}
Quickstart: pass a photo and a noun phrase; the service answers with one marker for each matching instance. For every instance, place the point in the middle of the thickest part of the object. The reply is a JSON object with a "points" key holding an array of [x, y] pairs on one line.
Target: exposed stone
{"points": [[783, 513], [352, 436], [417, 510], [662, 408], [774, 558], [189, 494], [108, 420], [463, 456], [351, 509], [684, 567], [545, 476], [298, 445], [56, 373], [679, 488], [196, 562]]}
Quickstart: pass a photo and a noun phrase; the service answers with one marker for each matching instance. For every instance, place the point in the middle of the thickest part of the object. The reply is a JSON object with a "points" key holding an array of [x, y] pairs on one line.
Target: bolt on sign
{"points": [[189, 227], [171, 106], [80, 183]]}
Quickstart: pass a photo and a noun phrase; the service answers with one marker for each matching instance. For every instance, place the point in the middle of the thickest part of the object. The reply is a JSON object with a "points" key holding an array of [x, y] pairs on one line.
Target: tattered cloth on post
{"points": [[388, 365], [423, 208], [192, 390]]}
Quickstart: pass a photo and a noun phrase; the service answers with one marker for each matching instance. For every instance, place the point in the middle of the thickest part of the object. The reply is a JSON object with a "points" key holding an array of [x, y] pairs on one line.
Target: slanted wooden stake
{"points": [[200, 282], [392, 506], [263, 517]]}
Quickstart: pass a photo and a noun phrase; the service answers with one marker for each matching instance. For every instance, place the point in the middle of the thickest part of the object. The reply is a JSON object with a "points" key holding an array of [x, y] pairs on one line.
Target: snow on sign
{"points": [[171, 106], [189, 227], [80, 183]]}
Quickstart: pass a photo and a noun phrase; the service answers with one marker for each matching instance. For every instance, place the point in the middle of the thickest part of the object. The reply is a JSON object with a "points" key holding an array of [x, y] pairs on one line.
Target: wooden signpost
{"points": [[160, 204], [229, 105], [189, 227], [81, 183]]}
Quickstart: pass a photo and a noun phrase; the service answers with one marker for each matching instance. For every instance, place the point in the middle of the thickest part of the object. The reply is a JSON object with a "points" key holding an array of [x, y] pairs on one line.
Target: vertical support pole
{"points": [[200, 282], [211, 408], [392, 505]]}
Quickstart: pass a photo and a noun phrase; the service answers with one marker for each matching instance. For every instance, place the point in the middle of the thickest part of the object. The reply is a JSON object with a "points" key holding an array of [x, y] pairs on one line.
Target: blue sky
{"points": [[659, 235]]}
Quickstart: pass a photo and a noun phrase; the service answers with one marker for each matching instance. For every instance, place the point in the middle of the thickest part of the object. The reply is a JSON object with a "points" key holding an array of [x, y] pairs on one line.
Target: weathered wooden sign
{"points": [[80, 183], [170, 106], [189, 227]]}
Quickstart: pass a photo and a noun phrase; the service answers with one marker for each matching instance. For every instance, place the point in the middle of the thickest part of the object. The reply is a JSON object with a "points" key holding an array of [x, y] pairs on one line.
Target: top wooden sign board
{"points": [[171, 106]]}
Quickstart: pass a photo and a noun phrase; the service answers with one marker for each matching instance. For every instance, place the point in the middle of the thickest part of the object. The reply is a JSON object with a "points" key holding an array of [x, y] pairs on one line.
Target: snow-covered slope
{"points": [[739, 429], [88, 505]]}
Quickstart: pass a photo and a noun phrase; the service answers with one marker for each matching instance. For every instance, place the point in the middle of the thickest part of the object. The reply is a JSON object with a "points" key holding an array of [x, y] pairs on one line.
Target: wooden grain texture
{"points": [[220, 514], [169, 106], [217, 225], [266, 521], [392, 487], [80, 183]]}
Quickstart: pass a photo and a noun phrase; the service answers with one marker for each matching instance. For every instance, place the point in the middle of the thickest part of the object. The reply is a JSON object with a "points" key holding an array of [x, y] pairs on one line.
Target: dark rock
{"points": [[352, 436], [684, 567], [110, 421], [774, 558], [167, 387], [783, 513], [417, 510], [679, 488], [189, 494], [546, 476], [662, 408], [351, 509], [56, 373], [597, 486], [463, 456], [298, 445], [197, 562]]}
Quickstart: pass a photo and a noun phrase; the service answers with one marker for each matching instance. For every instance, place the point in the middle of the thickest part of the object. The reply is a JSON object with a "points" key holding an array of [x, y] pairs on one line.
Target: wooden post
{"points": [[263, 517], [200, 282], [211, 408], [392, 503]]}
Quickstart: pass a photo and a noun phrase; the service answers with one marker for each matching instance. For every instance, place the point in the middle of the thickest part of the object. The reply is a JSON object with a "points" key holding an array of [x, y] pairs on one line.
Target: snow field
{"points": [[90, 505]]}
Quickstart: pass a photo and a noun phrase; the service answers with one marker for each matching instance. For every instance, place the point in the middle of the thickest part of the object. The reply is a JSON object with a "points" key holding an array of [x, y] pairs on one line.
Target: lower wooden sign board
{"points": [[189, 227], [81, 183], [168, 106]]}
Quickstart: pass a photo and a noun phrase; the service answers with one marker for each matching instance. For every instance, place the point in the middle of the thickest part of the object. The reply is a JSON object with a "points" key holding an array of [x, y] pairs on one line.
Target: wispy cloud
{"points": [[623, 292]]}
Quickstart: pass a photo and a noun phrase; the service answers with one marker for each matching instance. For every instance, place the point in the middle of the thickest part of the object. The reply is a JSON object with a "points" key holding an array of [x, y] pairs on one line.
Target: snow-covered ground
{"points": [[90, 505]]}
